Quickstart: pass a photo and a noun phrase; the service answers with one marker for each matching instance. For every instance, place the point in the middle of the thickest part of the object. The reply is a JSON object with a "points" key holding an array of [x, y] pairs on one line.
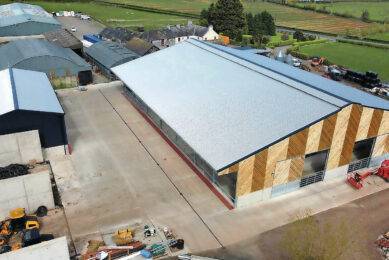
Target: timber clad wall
{"points": [[284, 161]]}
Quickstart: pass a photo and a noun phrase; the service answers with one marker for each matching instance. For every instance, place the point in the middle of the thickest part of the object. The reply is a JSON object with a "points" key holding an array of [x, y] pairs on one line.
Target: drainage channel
{"points": [[159, 166]]}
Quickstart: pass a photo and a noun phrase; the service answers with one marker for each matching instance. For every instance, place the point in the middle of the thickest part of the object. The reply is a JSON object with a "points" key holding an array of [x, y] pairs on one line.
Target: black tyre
{"points": [[3, 240], [41, 211]]}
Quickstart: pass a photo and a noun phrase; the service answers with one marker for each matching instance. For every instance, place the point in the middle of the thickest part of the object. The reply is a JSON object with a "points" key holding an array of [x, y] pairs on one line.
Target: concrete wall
{"points": [[28, 191], [56, 249], [20, 148]]}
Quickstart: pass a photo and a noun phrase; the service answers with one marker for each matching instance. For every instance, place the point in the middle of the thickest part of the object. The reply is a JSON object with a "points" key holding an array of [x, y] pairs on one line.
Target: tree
{"points": [[228, 17], [268, 22], [285, 37], [299, 36], [250, 23], [204, 22], [365, 16], [307, 238]]}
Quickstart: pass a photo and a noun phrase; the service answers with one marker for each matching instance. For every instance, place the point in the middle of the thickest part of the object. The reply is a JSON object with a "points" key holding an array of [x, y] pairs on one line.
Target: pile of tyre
{"points": [[13, 170], [369, 79]]}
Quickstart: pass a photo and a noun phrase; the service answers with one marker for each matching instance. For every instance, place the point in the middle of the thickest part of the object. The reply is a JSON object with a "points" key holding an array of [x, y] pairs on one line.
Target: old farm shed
{"points": [[65, 39], [28, 102], [255, 127], [40, 55], [18, 19], [106, 55]]}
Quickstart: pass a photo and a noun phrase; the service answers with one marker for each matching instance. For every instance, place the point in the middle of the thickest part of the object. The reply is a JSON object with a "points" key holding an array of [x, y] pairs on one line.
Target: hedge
{"points": [[311, 42], [367, 44], [281, 43]]}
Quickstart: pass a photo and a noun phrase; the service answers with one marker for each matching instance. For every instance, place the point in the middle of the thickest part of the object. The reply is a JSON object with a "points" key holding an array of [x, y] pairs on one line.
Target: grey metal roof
{"points": [[336, 89], [139, 46], [118, 33], [110, 54], [16, 13], [223, 106], [63, 38], [17, 51], [27, 90]]}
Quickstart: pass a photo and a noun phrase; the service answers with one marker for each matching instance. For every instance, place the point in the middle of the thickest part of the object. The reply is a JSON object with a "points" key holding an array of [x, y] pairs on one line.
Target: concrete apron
{"points": [[228, 226]]}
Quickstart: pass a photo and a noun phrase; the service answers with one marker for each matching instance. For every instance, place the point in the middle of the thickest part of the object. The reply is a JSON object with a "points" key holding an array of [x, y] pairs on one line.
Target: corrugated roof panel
{"points": [[6, 96], [110, 53], [19, 50], [32, 91], [223, 107], [320, 83], [18, 13]]}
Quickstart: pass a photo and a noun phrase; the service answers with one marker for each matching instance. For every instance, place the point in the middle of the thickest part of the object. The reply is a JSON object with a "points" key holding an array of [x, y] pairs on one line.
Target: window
{"points": [[362, 149], [179, 38]]}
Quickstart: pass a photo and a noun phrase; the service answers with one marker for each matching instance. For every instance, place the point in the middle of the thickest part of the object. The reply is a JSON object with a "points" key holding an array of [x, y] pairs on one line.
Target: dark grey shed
{"points": [[65, 39], [106, 55]]}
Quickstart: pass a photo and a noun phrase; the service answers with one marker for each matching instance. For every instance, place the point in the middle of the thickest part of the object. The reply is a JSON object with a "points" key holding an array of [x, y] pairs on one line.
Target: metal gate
{"points": [[313, 178], [358, 164], [285, 188]]}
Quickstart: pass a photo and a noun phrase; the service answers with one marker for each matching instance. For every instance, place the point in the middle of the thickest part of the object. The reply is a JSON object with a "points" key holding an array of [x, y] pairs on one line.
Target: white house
{"points": [[163, 38]]}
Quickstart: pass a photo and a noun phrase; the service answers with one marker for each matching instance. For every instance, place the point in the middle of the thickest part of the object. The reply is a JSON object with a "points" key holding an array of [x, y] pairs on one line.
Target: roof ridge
{"points": [[14, 93], [285, 75], [283, 82]]}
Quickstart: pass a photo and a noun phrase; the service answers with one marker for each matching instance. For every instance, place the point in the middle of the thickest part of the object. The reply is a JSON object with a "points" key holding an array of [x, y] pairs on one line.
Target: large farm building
{"points": [[256, 128], [18, 19]]}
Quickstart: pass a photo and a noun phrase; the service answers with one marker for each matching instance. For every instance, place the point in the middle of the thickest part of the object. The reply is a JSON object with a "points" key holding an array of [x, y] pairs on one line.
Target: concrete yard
{"points": [[123, 173], [82, 26]]}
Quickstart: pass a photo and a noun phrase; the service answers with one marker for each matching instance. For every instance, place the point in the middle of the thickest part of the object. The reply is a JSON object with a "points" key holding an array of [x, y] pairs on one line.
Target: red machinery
{"points": [[356, 179]]}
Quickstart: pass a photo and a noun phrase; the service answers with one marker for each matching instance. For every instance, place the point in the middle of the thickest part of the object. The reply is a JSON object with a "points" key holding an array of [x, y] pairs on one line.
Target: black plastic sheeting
{"points": [[13, 170]]}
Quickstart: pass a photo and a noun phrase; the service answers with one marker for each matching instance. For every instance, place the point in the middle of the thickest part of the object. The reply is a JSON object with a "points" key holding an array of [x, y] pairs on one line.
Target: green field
{"points": [[378, 11], [122, 16], [381, 36], [284, 16], [352, 56]]}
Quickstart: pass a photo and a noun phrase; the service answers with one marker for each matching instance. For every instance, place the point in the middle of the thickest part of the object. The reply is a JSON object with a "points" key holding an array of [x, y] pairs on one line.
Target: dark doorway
{"points": [[360, 157], [227, 183], [314, 168]]}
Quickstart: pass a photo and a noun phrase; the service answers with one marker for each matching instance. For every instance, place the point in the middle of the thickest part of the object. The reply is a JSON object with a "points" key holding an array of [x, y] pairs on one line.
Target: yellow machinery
{"points": [[123, 237], [18, 221]]}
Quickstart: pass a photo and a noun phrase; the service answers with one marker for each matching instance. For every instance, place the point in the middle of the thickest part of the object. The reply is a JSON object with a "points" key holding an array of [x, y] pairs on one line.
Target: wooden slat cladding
{"points": [[364, 125], [281, 173], [384, 127], [233, 168], [297, 143], [313, 140], [327, 132], [351, 133], [381, 146], [259, 171], [276, 153], [338, 137], [296, 168], [245, 176], [225, 171], [375, 123]]}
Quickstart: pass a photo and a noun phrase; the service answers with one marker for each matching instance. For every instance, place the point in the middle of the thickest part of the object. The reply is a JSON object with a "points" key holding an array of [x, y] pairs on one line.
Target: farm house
{"points": [[255, 127], [28, 102], [40, 55], [106, 55], [22, 19]]}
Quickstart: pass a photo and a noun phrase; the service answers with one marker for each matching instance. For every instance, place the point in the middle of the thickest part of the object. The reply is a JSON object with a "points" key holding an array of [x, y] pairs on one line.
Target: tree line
{"points": [[228, 17]]}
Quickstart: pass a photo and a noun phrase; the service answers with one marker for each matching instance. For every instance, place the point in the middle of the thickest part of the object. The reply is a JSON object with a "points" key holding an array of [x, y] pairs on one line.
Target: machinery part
{"points": [[5, 249], [3, 240], [17, 246], [356, 179], [31, 222], [41, 211]]}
